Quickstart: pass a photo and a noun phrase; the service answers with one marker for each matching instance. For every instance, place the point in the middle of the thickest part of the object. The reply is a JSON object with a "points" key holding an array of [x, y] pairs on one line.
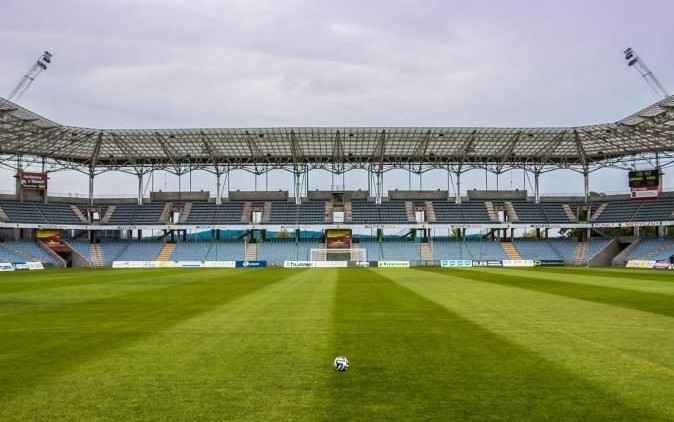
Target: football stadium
{"points": [[232, 305]]}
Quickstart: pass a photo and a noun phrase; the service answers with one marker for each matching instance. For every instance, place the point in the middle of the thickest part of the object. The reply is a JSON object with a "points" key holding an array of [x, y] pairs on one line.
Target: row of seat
{"points": [[279, 251], [363, 212]]}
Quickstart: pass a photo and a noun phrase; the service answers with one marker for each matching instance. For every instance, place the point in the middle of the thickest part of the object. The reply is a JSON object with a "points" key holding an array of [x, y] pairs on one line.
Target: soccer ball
{"points": [[340, 364]]}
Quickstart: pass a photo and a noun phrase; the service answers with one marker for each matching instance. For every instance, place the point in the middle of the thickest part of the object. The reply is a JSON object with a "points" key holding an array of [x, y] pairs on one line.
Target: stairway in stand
{"points": [[251, 252], [97, 256], [166, 252], [510, 250], [425, 252], [108, 213], [185, 214], [579, 253], [409, 210], [491, 211], [78, 212]]}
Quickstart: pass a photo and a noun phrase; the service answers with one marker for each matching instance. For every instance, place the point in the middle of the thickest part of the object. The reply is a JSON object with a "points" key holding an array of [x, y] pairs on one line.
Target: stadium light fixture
{"points": [[633, 60]]}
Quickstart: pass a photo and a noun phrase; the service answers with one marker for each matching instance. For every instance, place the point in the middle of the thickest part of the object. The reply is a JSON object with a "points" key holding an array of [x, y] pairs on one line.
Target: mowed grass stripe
{"points": [[24, 281], [257, 357], [665, 276], [90, 285], [624, 351], [591, 276], [413, 359], [573, 288], [45, 342]]}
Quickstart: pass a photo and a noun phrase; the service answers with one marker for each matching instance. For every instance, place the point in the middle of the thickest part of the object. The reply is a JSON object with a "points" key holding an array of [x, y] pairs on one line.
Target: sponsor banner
{"points": [[329, 264], [662, 265], [219, 264], [6, 266], [362, 264], [644, 193], [393, 264], [641, 224], [639, 263], [456, 263], [440, 227], [549, 263], [487, 263], [297, 264], [518, 262], [250, 264], [20, 266], [47, 233], [31, 180], [135, 264], [190, 264], [127, 264]]}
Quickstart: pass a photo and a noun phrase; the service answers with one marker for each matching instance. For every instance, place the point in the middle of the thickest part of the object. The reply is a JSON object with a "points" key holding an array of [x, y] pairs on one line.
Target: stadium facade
{"points": [[643, 141]]}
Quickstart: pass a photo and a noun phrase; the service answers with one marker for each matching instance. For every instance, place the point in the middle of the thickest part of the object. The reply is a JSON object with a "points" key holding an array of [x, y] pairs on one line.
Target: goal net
{"points": [[332, 254]]}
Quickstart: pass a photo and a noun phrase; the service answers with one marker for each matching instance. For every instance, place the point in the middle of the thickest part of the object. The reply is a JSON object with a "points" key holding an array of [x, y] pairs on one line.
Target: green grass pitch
{"points": [[257, 345]]}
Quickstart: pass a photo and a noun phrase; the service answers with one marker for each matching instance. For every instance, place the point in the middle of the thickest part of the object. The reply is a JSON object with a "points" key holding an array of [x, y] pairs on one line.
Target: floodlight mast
{"points": [[39, 65], [633, 60]]}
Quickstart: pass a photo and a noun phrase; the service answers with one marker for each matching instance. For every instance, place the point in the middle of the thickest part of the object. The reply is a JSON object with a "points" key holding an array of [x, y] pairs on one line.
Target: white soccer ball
{"points": [[340, 363]]}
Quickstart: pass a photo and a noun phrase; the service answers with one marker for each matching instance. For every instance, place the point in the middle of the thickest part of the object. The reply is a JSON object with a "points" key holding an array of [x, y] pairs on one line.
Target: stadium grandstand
{"points": [[424, 227]]}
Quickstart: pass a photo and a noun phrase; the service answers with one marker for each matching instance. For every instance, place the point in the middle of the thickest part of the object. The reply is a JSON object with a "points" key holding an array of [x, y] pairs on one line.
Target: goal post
{"points": [[335, 254]]}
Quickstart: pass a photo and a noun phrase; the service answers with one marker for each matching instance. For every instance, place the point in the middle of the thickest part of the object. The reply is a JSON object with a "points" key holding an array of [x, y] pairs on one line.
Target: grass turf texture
{"points": [[424, 344]]}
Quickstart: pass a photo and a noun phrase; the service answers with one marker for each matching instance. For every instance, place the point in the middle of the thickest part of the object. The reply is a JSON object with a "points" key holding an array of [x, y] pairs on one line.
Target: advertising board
{"points": [[393, 264], [639, 263], [6, 266], [30, 180], [189, 264], [362, 264], [549, 263], [137, 264], [219, 264], [297, 264], [487, 263], [250, 264], [518, 262], [456, 263], [329, 264]]}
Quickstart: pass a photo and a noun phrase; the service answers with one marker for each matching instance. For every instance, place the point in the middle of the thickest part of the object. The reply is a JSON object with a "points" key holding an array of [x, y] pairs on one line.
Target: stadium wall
{"points": [[418, 194], [482, 195]]}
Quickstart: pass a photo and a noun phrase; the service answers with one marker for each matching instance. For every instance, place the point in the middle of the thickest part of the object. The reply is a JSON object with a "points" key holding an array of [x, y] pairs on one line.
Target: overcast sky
{"points": [[269, 63]]}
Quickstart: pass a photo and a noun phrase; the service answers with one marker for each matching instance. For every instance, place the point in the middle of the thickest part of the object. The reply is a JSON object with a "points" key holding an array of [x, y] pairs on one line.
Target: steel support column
{"points": [[140, 188], [298, 185], [218, 199], [91, 186], [537, 192], [379, 186], [458, 187], [586, 181]]}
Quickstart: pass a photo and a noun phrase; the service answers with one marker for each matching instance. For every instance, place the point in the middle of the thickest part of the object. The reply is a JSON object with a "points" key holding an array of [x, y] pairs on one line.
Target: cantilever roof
{"points": [[648, 131]]}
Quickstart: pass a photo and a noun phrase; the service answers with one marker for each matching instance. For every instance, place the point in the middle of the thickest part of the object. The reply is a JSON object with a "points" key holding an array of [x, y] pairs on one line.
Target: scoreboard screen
{"points": [[644, 178]]}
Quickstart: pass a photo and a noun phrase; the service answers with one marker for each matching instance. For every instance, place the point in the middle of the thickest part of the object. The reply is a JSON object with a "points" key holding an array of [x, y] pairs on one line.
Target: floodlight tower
{"points": [[39, 65], [633, 60]]}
